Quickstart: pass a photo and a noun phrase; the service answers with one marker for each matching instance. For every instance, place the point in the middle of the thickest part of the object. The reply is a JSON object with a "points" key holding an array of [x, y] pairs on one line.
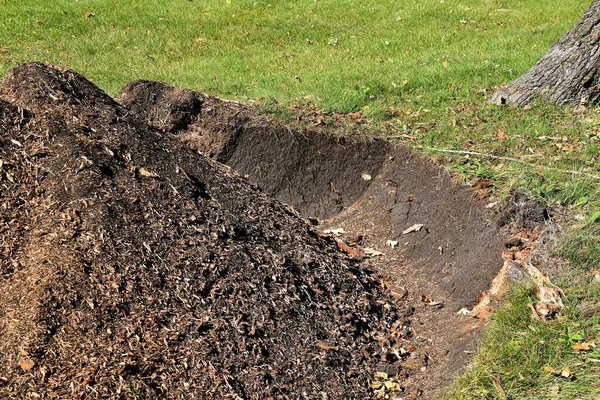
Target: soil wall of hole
{"points": [[327, 177]]}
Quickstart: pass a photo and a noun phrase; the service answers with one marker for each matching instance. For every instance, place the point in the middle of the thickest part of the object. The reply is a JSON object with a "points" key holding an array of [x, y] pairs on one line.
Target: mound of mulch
{"points": [[134, 267]]}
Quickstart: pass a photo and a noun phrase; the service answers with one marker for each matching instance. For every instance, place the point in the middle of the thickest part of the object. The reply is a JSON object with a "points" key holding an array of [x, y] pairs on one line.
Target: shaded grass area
{"points": [[414, 72]]}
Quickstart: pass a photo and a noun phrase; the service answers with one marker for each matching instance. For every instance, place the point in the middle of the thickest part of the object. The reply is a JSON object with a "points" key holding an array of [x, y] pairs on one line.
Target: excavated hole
{"points": [[372, 189]]}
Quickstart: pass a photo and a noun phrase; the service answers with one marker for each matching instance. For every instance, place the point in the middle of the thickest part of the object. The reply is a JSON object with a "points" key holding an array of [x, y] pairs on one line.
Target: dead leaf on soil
{"points": [[491, 205], [392, 386], [381, 374], [335, 232], [414, 228], [372, 252], [323, 345], [145, 173], [27, 365], [349, 250], [415, 394], [376, 384]]}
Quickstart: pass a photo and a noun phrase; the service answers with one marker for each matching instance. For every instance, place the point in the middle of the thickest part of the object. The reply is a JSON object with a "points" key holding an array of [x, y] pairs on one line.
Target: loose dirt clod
{"points": [[133, 267]]}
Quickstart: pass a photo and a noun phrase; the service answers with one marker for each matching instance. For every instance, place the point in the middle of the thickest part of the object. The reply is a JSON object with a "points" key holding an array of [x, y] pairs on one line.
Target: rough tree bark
{"points": [[569, 73]]}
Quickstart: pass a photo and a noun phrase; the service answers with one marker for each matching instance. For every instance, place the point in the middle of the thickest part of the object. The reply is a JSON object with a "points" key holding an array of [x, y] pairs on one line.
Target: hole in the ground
{"points": [[371, 188], [376, 192]]}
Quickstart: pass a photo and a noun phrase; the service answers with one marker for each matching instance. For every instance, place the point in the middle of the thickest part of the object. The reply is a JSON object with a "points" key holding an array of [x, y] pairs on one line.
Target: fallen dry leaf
{"points": [[27, 365], [437, 304], [148, 174], [336, 232], [582, 346], [347, 249], [566, 373], [381, 374], [372, 252], [323, 345], [414, 228], [499, 388], [392, 386], [550, 302], [502, 135], [392, 243]]}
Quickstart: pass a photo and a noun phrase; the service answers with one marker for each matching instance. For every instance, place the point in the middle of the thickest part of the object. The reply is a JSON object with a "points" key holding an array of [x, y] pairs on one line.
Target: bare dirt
{"points": [[134, 267], [373, 190], [142, 255]]}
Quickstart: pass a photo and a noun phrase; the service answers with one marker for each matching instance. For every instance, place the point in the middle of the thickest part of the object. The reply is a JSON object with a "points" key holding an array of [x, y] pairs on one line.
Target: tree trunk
{"points": [[569, 73]]}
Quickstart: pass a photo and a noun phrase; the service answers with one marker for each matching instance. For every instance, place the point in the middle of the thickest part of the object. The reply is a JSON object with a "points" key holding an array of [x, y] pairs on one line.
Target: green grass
{"points": [[419, 72], [346, 53], [512, 363]]}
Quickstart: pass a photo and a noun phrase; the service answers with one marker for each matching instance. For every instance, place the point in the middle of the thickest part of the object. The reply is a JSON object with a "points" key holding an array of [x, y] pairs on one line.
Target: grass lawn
{"points": [[418, 72]]}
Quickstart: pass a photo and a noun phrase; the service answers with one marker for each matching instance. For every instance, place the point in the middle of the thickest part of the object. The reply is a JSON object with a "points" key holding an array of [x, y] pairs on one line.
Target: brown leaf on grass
{"points": [[550, 302], [567, 374], [89, 14], [502, 135], [499, 388], [585, 346]]}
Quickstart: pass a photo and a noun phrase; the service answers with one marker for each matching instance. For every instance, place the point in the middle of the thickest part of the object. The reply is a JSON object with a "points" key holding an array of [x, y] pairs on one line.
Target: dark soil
{"points": [[322, 175], [134, 267], [375, 191]]}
